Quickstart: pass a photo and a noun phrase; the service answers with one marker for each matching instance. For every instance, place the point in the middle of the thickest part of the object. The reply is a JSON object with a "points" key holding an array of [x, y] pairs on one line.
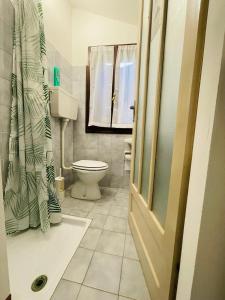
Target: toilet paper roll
{"points": [[60, 188], [127, 162]]}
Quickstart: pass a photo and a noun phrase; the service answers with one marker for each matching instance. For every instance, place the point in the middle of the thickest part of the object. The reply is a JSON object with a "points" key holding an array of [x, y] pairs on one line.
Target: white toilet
{"points": [[89, 172]]}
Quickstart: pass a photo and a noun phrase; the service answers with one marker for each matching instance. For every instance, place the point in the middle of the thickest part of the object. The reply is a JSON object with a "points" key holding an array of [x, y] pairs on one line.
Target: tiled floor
{"points": [[106, 265]]}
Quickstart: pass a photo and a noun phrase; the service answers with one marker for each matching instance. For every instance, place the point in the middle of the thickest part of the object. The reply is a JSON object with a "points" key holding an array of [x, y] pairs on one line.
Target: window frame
{"points": [[96, 129]]}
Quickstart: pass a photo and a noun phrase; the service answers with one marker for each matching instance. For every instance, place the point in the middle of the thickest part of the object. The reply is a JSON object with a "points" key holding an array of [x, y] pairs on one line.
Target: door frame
{"points": [[195, 27], [202, 269]]}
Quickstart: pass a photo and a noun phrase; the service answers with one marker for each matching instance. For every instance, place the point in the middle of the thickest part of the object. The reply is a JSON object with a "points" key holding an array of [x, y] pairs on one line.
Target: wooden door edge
{"points": [[192, 113]]}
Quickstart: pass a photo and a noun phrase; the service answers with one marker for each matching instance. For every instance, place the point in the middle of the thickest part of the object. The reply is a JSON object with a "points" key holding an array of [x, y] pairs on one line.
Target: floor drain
{"points": [[39, 283]]}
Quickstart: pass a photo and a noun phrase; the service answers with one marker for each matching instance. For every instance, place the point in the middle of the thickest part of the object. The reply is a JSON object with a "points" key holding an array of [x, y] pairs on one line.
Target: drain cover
{"points": [[39, 283]]}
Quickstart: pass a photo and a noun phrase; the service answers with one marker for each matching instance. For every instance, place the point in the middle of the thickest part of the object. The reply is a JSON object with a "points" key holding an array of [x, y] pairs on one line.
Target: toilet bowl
{"points": [[89, 173]]}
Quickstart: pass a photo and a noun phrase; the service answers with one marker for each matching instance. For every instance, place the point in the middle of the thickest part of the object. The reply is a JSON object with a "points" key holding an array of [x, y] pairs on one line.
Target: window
{"points": [[110, 89]]}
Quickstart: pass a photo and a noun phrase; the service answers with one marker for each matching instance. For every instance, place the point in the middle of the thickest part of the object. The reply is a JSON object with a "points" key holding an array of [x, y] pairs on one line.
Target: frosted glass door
{"points": [[142, 85], [167, 119], [154, 65], [171, 54]]}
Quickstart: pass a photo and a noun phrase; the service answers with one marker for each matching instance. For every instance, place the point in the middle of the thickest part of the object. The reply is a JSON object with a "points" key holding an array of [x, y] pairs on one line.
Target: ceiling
{"points": [[122, 10]]}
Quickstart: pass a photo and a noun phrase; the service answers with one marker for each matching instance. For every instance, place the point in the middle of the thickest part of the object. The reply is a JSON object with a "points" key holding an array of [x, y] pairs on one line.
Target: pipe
{"points": [[63, 128]]}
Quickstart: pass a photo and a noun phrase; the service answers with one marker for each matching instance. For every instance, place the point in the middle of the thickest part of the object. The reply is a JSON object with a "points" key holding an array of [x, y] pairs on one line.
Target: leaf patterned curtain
{"points": [[30, 197]]}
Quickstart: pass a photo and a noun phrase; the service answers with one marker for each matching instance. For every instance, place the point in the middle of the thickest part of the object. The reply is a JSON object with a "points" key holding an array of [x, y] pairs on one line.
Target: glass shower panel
{"points": [[167, 118], [152, 86], [143, 67]]}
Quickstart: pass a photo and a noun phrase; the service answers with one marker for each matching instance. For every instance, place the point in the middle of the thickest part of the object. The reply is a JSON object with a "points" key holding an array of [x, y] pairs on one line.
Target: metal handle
{"points": [[133, 108]]}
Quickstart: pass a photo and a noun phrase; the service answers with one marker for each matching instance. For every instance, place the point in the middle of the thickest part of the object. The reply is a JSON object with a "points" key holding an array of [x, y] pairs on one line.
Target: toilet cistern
{"points": [[64, 106]]}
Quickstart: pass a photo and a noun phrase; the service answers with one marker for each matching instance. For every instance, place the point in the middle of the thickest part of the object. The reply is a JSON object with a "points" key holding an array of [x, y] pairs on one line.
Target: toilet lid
{"points": [[90, 165]]}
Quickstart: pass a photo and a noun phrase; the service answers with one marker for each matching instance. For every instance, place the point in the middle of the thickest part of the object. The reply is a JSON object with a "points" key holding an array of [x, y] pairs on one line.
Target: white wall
{"points": [[91, 29], [125, 11], [202, 270], [4, 279], [58, 25]]}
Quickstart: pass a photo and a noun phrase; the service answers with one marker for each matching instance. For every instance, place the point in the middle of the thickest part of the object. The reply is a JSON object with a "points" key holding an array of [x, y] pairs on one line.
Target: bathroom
{"points": [[128, 162]]}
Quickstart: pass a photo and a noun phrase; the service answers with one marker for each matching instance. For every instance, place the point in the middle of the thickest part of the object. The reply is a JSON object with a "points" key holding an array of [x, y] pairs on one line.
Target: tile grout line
{"points": [[94, 250], [81, 284], [106, 254], [91, 259], [109, 254], [100, 290], [122, 267]]}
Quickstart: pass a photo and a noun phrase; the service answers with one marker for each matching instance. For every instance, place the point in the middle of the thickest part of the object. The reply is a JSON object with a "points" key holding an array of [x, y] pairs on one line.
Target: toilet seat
{"points": [[90, 165]]}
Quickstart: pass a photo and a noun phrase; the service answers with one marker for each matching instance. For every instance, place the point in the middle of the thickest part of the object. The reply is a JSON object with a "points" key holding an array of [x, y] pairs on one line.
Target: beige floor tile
{"points": [[104, 272], [66, 290], [119, 211], [122, 195], [77, 204], [84, 204], [104, 205], [102, 208], [132, 281], [111, 243], [87, 293], [128, 231], [130, 249], [106, 199], [75, 212], [122, 191], [121, 202], [115, 224], [101, 271], [98, 220], [91, 238], [68, 203], [111, 192], [78, 265]]}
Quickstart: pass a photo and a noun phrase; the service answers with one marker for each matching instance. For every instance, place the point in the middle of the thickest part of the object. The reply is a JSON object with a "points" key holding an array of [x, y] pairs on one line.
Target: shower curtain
{"points": [[30, 197]]}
